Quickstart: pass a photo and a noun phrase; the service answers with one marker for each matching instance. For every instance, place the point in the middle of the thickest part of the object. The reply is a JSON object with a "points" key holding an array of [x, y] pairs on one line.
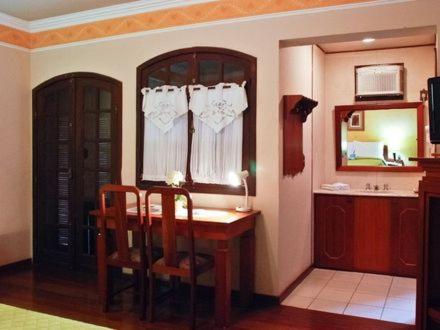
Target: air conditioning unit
{"points": [[379, 82]]}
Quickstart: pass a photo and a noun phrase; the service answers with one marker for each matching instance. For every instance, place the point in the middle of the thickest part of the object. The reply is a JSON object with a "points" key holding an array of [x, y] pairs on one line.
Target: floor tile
{"points": [[368, 299], [370, 312], [377, 279], [405, 282], [315, 281], [297, 301], [321, 273], [342, 285], [396, 315], [373, 289], [402, 304], [348, 276], [328, 306], [402, 292], [306, 290], [335, 295]]}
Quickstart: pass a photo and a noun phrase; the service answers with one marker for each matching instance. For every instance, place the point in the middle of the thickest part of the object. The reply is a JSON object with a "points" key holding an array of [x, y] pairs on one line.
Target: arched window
{"points": [[205, 66]]}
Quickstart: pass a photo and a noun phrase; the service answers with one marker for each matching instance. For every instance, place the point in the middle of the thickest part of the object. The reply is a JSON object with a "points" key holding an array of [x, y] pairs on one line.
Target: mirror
{"points": [[379, 137]]}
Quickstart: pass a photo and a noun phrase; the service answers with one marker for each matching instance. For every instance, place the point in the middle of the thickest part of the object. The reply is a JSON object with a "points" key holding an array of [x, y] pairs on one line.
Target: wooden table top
{"points": [[200, 214]]}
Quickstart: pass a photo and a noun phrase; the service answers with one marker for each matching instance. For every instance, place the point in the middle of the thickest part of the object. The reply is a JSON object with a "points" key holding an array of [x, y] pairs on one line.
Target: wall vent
{"points": [[379, 82]]}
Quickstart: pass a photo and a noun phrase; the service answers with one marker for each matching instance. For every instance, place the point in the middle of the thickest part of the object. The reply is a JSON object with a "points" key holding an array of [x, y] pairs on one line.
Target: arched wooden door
{"points": [[76, 149]]}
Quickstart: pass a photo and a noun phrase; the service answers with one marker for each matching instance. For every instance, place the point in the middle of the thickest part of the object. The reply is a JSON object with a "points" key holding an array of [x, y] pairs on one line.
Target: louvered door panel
{"points": [[53, 189], [98, 157]]}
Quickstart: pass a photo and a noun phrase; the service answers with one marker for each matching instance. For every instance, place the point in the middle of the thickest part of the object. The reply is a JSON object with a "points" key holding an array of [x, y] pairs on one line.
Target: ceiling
{"points": [[383, 43], [31, 10]]}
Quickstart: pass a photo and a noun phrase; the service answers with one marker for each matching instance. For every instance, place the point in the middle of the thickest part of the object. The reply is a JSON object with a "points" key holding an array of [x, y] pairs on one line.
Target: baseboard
{"points": [[294, 284], [18, 265]]}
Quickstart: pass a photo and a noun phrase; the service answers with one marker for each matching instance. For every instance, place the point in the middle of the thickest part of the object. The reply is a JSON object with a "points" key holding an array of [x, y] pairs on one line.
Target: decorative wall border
{"points": [[199, 13]]}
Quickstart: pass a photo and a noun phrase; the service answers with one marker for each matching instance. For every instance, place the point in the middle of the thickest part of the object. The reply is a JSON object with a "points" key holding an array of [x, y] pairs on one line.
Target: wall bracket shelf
{"points": [[296, 109]]}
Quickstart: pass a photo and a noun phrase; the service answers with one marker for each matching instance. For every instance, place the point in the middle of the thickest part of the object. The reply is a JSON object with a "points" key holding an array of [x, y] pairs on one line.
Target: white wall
{"points": [[339, 90], [301, 72], [295, 193], [15, 159]]}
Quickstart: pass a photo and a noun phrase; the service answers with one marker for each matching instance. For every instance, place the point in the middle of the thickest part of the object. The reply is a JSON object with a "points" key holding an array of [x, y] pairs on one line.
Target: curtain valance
{"points": [[162, 105], [217, 107]]}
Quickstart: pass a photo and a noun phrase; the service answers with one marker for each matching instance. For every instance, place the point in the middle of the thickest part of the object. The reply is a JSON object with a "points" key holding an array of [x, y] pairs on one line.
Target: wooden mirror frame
{"points": [[343, 113]]}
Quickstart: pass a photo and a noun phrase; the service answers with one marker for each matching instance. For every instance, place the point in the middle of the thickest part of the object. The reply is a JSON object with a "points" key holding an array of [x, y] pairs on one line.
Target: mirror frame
{"points": [[343, 113]]}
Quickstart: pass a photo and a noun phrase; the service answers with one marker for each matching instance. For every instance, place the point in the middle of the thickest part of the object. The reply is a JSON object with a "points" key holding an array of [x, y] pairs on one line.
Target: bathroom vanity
{"points": [[377, 232]]}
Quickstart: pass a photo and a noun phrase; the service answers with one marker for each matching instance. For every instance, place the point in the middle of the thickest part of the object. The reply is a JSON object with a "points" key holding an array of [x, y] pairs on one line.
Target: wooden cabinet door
{"points": [[53, 173], [334, 217], [372, 232], [405, 224]]}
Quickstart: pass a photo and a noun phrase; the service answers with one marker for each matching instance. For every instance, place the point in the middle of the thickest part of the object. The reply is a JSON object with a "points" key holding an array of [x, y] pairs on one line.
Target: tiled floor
{"points": [[372, 296]]}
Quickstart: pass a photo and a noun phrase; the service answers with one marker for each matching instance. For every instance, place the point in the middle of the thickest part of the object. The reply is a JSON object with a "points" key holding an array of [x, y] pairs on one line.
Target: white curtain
{"points": [[215, 155], [165, 152], [165, 132], [218, 137]]}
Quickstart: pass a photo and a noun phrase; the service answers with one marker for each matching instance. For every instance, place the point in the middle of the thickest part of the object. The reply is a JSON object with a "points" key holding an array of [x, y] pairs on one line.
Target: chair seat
{"points": [[135, 256], [203, 261]]}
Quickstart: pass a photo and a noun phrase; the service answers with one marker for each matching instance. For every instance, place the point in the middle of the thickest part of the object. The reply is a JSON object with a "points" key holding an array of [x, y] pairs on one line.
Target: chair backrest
{"points": [[118, 212], [169, 233]]}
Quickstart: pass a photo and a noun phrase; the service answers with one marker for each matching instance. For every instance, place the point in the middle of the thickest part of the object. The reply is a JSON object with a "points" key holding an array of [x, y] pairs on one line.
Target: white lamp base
{"points": [[243, 209]]}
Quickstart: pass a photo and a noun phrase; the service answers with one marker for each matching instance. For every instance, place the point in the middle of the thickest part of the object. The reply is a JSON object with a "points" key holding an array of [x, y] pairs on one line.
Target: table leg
{"points": [[247, 267], [222, 284]]}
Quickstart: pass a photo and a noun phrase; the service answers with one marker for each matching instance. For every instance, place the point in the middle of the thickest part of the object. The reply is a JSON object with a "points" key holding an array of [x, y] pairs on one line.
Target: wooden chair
{"points": [[121, 254], [173, 263]]}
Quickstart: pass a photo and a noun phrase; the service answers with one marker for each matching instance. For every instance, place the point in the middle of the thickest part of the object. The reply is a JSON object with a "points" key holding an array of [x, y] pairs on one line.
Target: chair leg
{"points": [[151, 306], [193, 304], [143, 290], [105, 294]]}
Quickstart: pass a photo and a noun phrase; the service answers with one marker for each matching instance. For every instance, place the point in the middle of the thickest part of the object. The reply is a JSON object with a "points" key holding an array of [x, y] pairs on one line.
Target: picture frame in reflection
{"points": [[357, 121]]}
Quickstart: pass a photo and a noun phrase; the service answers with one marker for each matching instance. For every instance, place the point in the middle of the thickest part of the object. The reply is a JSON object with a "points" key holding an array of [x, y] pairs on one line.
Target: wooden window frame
{"points": [[249, 119]]}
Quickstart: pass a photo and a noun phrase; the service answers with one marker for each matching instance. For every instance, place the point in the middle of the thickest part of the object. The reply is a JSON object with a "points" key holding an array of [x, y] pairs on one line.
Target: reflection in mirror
{"points": [[379, 136]]}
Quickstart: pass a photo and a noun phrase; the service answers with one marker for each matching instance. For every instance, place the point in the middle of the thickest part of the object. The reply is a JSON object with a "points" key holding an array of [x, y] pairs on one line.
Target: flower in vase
{"points": [[174, 178]]}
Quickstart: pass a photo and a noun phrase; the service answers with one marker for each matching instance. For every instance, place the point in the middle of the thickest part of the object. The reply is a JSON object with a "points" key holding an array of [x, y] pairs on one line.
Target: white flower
{"points": [[174, 178]]}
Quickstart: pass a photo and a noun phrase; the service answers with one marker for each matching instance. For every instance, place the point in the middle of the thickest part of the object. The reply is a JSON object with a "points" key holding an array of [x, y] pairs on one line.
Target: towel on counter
{"points": [[335, 186]]}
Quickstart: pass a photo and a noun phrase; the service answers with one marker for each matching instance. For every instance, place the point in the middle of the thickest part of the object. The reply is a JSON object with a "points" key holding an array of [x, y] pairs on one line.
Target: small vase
{"points": [[179, 204]]}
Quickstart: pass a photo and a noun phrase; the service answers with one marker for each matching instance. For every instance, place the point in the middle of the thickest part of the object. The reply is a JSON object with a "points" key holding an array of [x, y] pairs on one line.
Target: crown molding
{"points": [[109, 12], [14, 22], [372, 3]]}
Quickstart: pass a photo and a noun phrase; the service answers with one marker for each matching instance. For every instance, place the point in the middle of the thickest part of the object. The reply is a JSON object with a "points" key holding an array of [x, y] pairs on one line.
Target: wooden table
{"points": [[220, 225]]}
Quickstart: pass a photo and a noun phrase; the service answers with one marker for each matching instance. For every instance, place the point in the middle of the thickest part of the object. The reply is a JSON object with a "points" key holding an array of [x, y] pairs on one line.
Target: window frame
{"points": [[249, 116]]}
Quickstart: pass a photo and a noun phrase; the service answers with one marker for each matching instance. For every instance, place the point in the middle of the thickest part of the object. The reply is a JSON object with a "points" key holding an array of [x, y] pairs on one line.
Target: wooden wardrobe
{"points": [[76, 149]]}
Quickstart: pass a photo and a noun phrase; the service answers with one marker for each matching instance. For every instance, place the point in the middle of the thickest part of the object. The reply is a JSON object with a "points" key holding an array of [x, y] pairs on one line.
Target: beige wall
{"points": [[301, 72], [15, 159], [419, 66], [119, 57], [295, 193]]}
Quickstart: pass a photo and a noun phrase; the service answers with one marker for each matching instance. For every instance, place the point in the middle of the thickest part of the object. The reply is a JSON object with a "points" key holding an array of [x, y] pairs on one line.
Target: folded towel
{"points": [[335, 186]]}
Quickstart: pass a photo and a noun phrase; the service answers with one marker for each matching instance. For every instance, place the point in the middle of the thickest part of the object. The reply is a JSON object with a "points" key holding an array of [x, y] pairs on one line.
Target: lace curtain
{"points": [[218, 138], [165, 131]]}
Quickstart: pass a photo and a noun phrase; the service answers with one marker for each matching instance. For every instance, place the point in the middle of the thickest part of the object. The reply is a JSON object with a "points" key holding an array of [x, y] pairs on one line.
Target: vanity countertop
{"points": [[362, 192]]}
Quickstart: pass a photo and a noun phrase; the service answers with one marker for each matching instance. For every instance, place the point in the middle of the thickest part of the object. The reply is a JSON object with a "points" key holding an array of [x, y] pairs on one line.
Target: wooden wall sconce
{"points": [[296, 108]]}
